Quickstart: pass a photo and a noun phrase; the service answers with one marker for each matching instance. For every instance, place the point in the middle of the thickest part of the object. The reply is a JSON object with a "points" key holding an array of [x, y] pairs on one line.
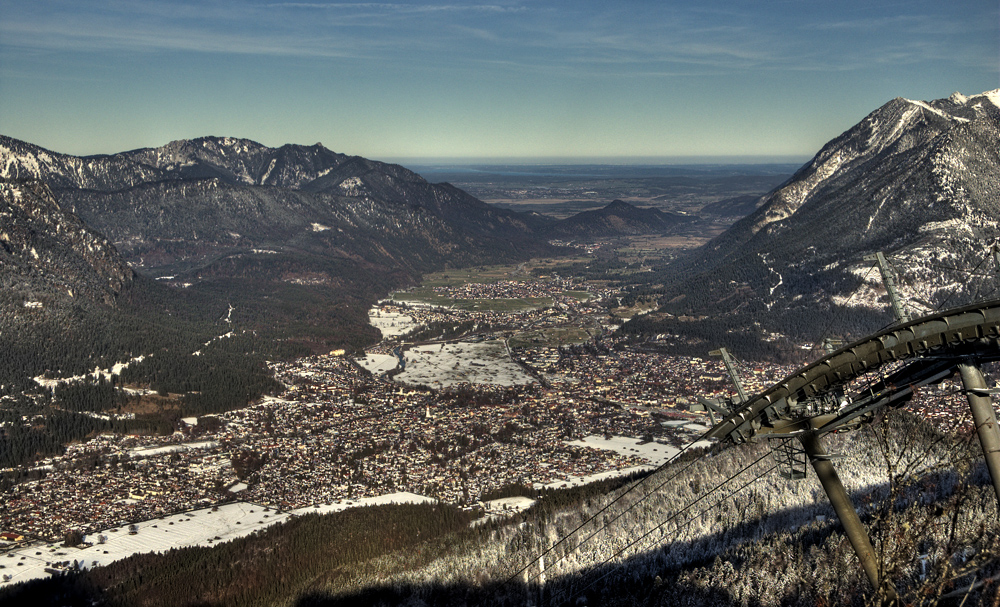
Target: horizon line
{"points": [[672, 160]]}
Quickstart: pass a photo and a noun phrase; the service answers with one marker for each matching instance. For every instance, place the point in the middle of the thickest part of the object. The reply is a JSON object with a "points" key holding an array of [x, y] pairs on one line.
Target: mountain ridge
{"points": [[209, 182], [616, 219], [915, 180]]}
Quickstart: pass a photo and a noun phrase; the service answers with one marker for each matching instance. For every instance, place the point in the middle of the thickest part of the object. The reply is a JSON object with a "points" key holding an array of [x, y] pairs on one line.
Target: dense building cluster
{"points": [[107, 482], [339, 433], [509, 289]]}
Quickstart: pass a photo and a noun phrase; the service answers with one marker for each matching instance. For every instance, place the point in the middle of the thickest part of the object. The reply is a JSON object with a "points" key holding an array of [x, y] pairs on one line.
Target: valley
{"points": [[340, 435], [308, 333], [561, 191], [578, 405]]}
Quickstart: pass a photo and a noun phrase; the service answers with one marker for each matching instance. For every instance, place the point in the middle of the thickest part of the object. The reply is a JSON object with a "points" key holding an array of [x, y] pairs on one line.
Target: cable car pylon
{"points": [[815, 399]]}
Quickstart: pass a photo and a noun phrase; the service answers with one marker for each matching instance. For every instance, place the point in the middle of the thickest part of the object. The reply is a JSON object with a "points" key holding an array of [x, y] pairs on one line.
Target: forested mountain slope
{"points": [[916, 180], [56, 275], [299, 240], [619, 218], [71, 307]]}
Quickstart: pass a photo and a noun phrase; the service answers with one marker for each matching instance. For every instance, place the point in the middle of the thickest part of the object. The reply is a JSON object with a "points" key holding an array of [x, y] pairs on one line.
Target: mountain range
{"points": [[916, 180], [190, 204], [300, 239]]}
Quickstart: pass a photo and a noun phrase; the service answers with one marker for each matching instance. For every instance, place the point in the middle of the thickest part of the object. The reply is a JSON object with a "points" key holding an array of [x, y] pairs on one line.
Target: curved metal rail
{"points": [[812, 398]]}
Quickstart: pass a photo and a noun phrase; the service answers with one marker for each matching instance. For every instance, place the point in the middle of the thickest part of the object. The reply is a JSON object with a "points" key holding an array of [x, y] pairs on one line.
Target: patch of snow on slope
{"points": [[97, 374], [267, 173], [949, 226], [992, 96], [352, 185]]}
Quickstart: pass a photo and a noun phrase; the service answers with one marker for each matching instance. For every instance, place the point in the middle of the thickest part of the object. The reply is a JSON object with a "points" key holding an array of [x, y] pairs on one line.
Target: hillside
{"points": [[70, 304], [56, 275], [619, 219], [298, 239], [916, 180], [50, 252]]}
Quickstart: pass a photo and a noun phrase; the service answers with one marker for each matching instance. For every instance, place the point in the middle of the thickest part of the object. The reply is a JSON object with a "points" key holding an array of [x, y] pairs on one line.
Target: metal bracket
{"points": [[790, 457]]}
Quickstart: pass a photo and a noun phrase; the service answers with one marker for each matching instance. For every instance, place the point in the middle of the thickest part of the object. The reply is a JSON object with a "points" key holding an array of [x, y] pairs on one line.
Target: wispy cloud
{"points": [[912, 24], [279, 29], [98, 37], [574, 38], [401, 8]]}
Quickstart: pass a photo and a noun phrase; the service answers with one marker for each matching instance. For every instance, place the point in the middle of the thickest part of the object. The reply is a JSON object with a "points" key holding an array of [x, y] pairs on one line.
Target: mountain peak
{"points": [[619, 218], [958, 98], [619, 205], [913, 179], [991, 96]]}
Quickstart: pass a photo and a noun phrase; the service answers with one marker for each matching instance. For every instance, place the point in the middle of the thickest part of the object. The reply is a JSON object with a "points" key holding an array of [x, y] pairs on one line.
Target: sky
{"points": [[532, 80]]}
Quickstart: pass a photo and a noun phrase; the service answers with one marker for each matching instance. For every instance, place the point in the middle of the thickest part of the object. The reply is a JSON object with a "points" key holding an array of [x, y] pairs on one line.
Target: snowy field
{"points": [[97, 374], [502, 508], [441, 365], [378, 364], [579, 481], [654, 452], [509, 504], [403, 497], [151, 451], [196, 528], [391, 323]]}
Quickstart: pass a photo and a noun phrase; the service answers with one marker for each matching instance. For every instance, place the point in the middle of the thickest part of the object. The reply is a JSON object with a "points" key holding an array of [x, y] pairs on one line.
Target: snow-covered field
{"points": [[502, 508], [196, 528], [509, 504], [97, 373], [579, 481], [151, 451], [441, 365], [403, 497], [378, 363], [654, 452], [391, 323]]}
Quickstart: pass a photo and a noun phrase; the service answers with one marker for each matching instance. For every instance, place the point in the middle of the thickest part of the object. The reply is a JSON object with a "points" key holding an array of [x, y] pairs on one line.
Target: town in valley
{"points": [[490, 386]]}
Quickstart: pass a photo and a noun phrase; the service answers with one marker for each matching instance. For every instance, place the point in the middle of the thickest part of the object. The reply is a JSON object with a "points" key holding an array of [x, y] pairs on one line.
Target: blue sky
{"points": [[541, 79]]}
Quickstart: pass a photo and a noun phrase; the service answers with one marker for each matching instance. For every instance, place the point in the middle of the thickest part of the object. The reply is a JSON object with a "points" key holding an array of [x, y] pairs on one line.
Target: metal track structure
{"points": [[814, 400]]}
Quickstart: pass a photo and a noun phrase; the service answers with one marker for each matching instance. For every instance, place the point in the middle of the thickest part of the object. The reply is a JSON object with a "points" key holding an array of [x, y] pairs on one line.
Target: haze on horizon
{"points": [[548, 80]]}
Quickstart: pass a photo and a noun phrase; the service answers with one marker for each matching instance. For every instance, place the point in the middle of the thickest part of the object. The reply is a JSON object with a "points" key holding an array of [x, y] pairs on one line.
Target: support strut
{"points": [[985, 417], [848, 516]]}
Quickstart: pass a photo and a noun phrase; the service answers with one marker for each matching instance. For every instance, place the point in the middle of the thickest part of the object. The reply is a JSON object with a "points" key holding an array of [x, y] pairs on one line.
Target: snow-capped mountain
{"points": [[193, 202], [917, 180], [230, 159], [299, 238]]}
